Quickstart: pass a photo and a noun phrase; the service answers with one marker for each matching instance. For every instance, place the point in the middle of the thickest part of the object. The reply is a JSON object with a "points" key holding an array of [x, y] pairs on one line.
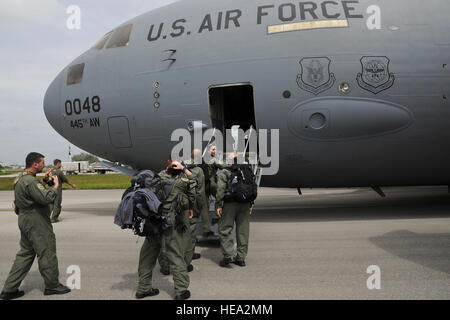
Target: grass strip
{"points": [[84, 182]]}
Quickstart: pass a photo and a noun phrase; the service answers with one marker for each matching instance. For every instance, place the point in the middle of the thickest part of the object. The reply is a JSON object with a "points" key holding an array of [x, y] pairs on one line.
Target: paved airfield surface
{"points": [[317, 246]]}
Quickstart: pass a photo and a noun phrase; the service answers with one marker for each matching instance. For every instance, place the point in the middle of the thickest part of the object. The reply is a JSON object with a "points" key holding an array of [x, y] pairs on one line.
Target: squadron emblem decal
{"points": [[315, 76], [375, 76]]}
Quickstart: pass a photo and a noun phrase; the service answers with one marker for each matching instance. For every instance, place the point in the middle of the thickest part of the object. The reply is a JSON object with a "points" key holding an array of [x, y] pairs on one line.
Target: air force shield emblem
{"points": [[375, 76], [315, 76]]}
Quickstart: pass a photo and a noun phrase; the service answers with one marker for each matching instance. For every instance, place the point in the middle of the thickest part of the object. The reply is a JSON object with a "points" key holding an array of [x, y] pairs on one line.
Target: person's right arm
{"points": [[41, 195], [178, 166], [63, 179]]}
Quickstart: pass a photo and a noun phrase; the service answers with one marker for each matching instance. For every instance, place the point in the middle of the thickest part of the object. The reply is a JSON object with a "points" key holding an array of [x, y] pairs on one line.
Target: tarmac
{"points": [[316, 246]]}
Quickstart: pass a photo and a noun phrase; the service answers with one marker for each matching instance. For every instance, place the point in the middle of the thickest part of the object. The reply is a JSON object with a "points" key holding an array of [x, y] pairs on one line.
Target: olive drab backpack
{"points": [[243, 185]]}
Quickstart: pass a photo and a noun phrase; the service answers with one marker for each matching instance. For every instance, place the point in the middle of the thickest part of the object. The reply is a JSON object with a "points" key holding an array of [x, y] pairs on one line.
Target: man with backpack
{"points": [[178, 204], [236, 191]]}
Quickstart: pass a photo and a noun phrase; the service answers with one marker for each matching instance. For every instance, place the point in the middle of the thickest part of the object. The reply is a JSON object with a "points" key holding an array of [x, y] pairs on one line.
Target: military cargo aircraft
{"points": [[360, 90]]}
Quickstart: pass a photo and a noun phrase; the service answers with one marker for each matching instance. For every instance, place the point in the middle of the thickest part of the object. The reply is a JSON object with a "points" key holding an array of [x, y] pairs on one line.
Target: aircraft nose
{"points": [[52, 104]]}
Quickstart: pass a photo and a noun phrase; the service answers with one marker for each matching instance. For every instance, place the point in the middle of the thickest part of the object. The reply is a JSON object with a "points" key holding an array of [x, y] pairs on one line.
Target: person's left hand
{"points": [[191, 214]]}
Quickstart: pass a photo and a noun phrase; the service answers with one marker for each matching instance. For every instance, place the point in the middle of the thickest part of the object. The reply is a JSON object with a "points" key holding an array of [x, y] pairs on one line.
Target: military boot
{"points": [[239, 263], [11, 295], [184, 295], [225, 262], [153, 292], [60, 289]]}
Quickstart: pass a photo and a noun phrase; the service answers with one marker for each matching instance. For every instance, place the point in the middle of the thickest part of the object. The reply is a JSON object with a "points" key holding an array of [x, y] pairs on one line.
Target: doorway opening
{"points": [[232, 107]]}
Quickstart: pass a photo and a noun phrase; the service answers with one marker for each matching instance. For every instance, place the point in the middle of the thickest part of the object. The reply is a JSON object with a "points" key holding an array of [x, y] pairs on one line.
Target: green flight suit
{"points": [[232, 212], [214, 166], [56, 206], [176, 242], [162, 258], [203, 196], [37, 237], [200, 206]]}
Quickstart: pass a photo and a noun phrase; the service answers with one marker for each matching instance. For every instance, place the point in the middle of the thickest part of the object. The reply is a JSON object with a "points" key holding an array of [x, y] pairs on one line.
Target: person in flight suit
{"points": [[56, 171], [179, 204], [32, 204], [231, 212], [189, 255], [201, 202], [214, 166], [162, 259]]}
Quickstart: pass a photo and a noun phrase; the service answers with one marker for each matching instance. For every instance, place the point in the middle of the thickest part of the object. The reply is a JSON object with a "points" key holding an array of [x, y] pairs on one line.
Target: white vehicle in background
{"points": [[75, 167], [99, 168]]}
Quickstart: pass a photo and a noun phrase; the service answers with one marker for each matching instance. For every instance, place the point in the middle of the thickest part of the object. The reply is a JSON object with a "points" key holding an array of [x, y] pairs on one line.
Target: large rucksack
{"points": [[243, 185], [148, 217], [159, 186], [138, 180], [141, 207]]}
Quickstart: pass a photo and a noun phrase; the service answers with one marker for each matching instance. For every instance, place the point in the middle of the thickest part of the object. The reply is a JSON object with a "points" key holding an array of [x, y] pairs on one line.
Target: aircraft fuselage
{"points": [[355, 105]]}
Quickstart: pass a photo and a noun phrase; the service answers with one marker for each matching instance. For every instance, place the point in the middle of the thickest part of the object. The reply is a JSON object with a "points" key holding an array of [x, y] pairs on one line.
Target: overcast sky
{"points": [[35, 46]]}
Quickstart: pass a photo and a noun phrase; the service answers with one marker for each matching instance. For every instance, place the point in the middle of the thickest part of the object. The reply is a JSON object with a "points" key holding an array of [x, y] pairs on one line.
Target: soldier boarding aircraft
{"points": [[359, 90]]}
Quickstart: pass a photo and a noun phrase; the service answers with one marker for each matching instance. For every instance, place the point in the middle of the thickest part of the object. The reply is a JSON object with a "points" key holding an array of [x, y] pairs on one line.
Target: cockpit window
{"points": [[75, 74], [99, 45], [120, 37]]}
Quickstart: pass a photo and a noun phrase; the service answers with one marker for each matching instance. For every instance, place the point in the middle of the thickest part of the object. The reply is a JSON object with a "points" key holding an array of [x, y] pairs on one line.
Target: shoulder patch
{"points": [[40, 187], [185, 180]]}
